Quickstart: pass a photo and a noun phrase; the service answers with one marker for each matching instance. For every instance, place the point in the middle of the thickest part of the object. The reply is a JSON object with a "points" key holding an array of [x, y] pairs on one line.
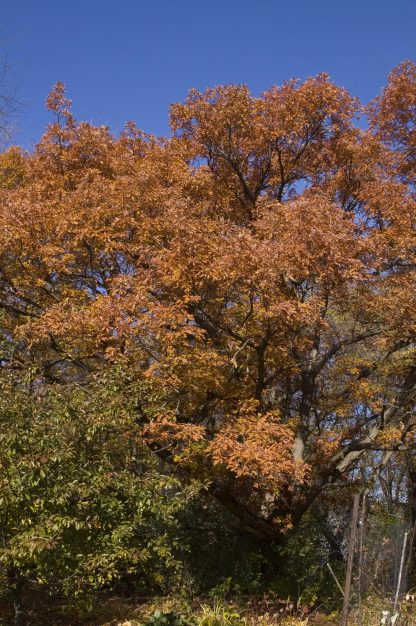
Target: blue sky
{"points": [[129, 59]]}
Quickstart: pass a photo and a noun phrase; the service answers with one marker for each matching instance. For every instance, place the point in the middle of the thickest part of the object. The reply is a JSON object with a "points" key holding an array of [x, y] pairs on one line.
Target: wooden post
{"points": [[361, 559], [350, 560], [399, 579]]}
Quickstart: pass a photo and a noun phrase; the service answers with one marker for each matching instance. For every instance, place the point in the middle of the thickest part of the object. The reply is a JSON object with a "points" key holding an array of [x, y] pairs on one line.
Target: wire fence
{"points": [[381, 549]]}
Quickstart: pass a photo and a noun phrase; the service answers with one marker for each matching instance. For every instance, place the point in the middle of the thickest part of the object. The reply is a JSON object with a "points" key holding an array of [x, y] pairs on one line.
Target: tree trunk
{"points": [[16, 582]]}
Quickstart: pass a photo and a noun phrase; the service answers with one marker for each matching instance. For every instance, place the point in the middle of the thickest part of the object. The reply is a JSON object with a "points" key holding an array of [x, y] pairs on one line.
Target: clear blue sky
{"points": [[128, 59]]}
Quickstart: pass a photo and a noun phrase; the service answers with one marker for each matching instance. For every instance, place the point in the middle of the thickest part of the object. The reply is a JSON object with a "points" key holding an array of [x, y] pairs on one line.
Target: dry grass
{"points": [[121, 612]]}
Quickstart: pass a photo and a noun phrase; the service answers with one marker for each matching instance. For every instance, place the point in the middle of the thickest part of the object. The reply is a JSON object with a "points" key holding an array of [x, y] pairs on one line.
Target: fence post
{"points": [[350, 560], [399, 580], [361, 558]]}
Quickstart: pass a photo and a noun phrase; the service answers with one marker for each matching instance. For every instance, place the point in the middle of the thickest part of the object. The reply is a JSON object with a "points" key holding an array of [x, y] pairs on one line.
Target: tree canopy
{"points": [[252, 276]]}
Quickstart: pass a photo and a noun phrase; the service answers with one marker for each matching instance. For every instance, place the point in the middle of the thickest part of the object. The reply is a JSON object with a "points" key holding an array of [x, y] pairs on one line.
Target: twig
{"points": [[338, 584]]}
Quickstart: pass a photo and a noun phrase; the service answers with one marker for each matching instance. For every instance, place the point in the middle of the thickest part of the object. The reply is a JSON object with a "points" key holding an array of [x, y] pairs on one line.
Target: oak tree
{"points": [[255, 271]]}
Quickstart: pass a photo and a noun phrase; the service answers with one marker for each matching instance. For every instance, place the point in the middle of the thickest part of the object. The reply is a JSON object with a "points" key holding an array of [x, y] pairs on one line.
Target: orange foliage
{"points": [[262, 256], [258, 447]]}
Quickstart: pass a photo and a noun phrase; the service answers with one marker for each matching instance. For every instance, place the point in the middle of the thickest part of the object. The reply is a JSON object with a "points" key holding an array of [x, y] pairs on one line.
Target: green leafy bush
{"points": [[83, 504]]}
